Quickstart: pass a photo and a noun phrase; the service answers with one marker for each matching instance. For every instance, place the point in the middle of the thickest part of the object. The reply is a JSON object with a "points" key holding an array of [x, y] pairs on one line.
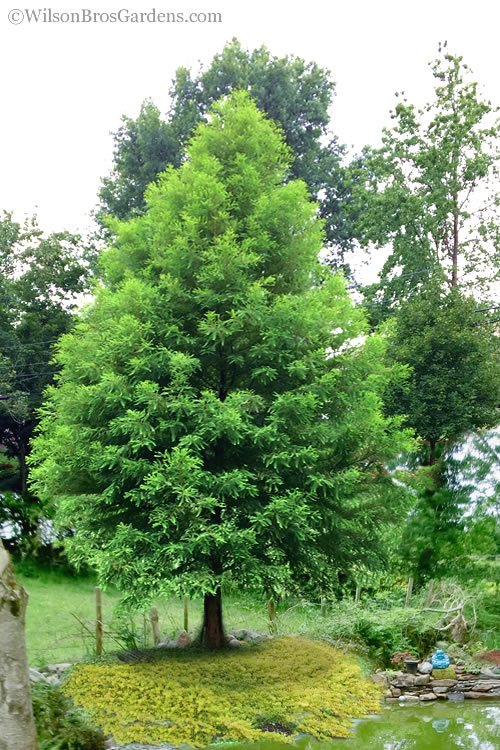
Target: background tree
{"points": [[198, 431], [142, 149], [453, 390], [41, 279], [454, 382], [430, 194], [295, 94]]}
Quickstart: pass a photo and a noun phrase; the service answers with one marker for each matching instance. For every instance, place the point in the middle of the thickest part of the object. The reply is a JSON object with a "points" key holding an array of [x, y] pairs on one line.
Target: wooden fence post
{"points": [[271, 608], [186, 613], [98, 622], [409, 591], [322, 606], [357, 596], [155, 625]]}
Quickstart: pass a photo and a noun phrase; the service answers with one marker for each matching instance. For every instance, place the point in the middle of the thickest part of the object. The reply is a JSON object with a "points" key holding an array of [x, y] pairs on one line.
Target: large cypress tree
{"points": [[215, 418]]}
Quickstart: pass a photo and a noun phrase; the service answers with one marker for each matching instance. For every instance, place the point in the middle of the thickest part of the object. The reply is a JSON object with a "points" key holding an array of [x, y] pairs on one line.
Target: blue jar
{"points": [[440, 660]]}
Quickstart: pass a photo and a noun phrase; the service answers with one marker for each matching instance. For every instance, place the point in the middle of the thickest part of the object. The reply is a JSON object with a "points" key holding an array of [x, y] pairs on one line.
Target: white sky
{"points": [[64, 87]]}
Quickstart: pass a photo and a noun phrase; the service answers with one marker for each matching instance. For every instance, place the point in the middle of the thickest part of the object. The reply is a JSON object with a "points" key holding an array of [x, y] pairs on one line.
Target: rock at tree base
{"points": [[184, 639], [250, 636], [36, 676]]}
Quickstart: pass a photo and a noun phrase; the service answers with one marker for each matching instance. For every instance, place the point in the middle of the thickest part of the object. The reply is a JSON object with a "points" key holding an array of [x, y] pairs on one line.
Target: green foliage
{"points": [[453, 388], [61, 726], [431, 191], [454, 380], [142, 149], [379, 632], [295, 94], [200, 698], [487, 606], [41, 278], [198, 431]]}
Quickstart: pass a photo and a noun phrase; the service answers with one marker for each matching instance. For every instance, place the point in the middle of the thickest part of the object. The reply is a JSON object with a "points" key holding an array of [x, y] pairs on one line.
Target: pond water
{"points": [[440, 726]]}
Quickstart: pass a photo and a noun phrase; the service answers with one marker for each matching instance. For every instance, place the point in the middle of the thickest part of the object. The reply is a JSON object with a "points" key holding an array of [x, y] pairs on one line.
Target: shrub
{"points": [[61, 726], [381, 633]]}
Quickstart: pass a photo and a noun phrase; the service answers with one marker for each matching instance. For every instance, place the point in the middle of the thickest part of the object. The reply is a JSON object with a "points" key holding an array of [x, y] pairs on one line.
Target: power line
{"points": [[486, 309], [486, 322], [35, 375], [29, 345]]}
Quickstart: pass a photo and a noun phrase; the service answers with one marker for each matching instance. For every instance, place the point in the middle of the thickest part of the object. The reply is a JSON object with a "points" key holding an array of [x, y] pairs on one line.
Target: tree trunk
{"points": [[212, 632], [409, 591], [455, 246], [16, 712], [432, 453]]}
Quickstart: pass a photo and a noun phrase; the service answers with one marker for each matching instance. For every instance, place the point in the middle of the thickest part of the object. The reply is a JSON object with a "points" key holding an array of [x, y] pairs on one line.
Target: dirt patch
{"points": [[492, 657]]}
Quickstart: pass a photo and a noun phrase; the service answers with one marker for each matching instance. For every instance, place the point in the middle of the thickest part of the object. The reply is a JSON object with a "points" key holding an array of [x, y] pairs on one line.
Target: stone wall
{"points": [[403, 687]]}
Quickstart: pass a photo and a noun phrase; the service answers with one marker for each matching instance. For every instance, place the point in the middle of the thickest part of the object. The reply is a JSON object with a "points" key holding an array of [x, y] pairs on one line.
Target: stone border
{"points": [[402, 687]]}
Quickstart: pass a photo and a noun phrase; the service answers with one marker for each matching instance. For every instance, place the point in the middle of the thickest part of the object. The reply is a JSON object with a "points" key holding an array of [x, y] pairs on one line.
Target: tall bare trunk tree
{"points": [[17, 726]]}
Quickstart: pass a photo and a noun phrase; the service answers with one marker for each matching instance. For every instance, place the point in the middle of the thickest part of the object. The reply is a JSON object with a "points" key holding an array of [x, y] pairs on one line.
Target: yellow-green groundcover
{"points": [[287, 684]]}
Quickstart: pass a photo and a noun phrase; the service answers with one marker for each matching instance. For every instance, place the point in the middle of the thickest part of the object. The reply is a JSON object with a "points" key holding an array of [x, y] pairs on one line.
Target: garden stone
{"points": [[456, 697], [168, 643], [380, 678], [422, 679], [404, 680], [486, 685], [235, 643], [440, 690], [428, 697], [184, 639], [409, 699], [443, 683], [487, 674], [57, 668], [36, 676], [249, 635], [425, 667], [396, 692]]}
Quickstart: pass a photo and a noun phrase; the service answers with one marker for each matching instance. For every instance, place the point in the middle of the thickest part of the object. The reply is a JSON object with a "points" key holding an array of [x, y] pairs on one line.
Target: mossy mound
{"points": [[447, 673], [282, 688]]}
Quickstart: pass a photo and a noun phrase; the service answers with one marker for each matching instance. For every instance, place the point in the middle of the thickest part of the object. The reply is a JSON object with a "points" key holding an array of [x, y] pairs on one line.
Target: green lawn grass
{"points": [[60, 621], [61, 612]]}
